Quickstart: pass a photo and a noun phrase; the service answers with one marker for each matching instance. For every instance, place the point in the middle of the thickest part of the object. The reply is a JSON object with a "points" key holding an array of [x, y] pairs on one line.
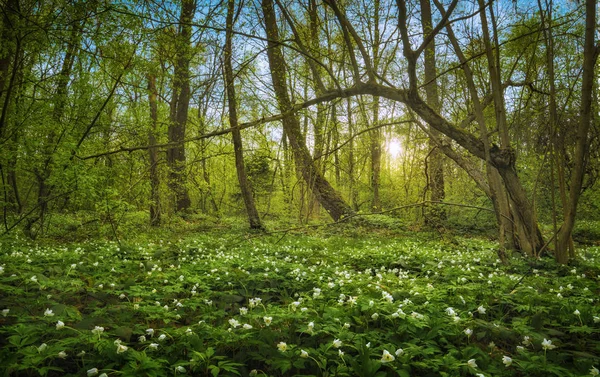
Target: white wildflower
{"points": [[547, 344], [98, 330], [387, 357]]}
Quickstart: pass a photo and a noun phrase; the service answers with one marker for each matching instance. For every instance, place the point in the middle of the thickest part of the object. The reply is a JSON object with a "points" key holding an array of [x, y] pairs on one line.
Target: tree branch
{"points": [[437, 28]]}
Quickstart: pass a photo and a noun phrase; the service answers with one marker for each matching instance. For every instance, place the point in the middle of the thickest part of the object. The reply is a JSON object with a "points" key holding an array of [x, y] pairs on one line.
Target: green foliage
{"points": [[587, 232], [214, 305]]}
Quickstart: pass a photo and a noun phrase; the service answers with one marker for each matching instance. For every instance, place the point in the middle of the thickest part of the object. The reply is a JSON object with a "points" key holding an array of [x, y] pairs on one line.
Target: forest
{"points": [[299, 188]]}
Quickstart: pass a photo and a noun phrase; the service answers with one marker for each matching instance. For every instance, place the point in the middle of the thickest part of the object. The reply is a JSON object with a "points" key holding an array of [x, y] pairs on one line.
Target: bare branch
{"points": [[311, 65], [345, 32], [437, 28]]}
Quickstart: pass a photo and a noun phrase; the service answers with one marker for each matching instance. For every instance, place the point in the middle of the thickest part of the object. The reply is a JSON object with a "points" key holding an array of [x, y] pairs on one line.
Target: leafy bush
{"points": [[587, 232]]}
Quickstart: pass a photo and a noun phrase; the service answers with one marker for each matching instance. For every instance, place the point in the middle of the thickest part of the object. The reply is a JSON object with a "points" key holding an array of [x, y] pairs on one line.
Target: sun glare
{"points": [[394, 148]]}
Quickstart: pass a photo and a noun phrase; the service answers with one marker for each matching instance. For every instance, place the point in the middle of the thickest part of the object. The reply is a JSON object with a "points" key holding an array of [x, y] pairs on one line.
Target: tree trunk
{"points": [[352, 189], [468, 166], [179, 107], [155, 210], [10, 43], [375, 134], [436, 214], [557, 146], [317, 84], [322, 189], [12, 52], [208, 194], [375, 149], [590, 53], [252, 212]]}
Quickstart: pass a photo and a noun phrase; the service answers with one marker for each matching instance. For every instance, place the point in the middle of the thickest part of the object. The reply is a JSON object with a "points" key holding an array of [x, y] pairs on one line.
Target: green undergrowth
{"points": [[340, 302]]}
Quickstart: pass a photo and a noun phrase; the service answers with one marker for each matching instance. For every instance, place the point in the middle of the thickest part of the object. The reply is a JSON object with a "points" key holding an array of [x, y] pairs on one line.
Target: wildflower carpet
{"points": [[301, 306]]}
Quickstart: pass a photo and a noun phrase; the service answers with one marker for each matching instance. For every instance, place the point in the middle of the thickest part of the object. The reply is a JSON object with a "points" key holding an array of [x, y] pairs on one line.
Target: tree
{"points": [[590, 55], [155, 206], [375, 134], [435, 182], [325, 193], [252, 212], [180, 102], [11, 56]]}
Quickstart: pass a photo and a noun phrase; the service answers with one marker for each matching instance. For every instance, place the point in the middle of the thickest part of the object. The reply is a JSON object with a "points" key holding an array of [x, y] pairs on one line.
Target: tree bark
{"points": [[179, 107], [12, 52], [251, 211], [321, 117], [436, 214], [375, 149], [155, 208], [352, 189], [325, 193], [207, 195], [375, 134], [8, 53], [590, 53]]}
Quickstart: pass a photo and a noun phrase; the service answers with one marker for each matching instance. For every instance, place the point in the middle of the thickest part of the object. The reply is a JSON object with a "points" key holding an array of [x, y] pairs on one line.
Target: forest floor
{"points": [[308, 303]]}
